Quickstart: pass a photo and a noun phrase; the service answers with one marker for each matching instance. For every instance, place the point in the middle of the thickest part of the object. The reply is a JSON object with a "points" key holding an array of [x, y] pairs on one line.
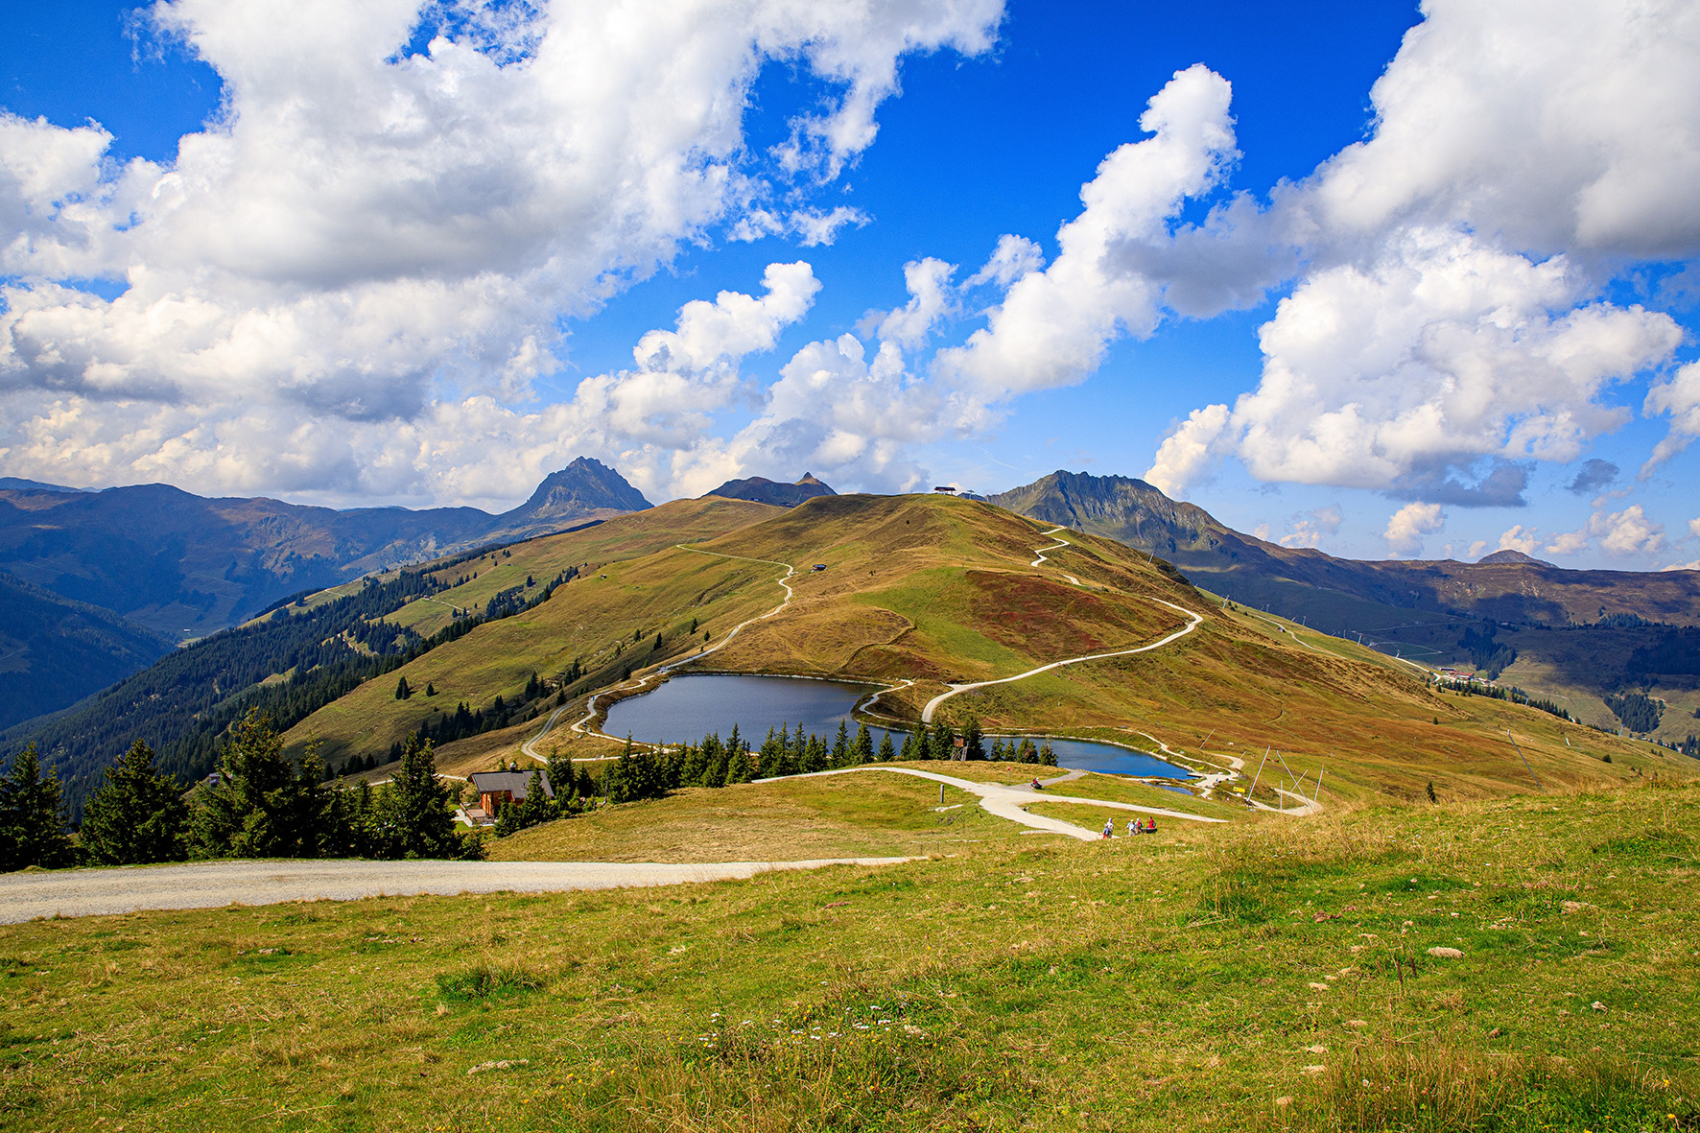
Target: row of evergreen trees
{"points": [[1513, 694], [647, 773], [262, 806]]}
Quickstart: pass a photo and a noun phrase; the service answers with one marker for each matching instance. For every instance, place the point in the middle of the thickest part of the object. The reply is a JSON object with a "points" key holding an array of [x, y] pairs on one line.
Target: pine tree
{"points": [[257, 811], [864, 749], [32, 817], [414, 809], [137, 817], [972, 747], [888, 750], [738, 769], [1048, 755], [841, 746], [402, 692], [942, 744]]}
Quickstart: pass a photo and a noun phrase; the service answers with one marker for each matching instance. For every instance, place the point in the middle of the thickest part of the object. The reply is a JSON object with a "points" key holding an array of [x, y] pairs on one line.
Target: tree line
{"points": [[259, 804], [653, 772], [183, 704]]}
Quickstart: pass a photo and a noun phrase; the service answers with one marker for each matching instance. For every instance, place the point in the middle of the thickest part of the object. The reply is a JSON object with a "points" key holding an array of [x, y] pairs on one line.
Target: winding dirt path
{"points": [[1010, 801], [662, 670], [1193, 622], [211, 885]]}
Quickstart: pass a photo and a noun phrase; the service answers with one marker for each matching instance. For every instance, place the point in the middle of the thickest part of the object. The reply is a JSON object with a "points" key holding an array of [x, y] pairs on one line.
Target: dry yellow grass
{"points": [[864, 814], [935, 589]]}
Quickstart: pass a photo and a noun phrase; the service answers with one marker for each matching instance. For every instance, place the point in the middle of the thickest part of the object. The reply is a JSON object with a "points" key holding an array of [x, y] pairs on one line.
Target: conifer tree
{"points": [[137, 817], [888, 750], [413, 810], [942, 743], [32, 817], [738, 769], [863, 752], [972, 747], [262, 808], [841, 746], [815, 756], [402, 692]]}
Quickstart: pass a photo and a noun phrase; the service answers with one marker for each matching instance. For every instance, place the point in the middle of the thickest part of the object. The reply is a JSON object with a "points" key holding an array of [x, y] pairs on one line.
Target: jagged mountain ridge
{"points": [[1506, 586], [761, 490], [157, 560], [1497, 616]]}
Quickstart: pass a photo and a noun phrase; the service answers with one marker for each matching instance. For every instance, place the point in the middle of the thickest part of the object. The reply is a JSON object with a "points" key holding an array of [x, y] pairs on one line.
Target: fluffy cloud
{"points": [[1553, 125], [1593, 476], [1054, 324], [931, 298], [1519, 538], [1399, 374], [1311, 527], [478, 449], [1679, 397], [1408, 525], [1446, 315], [1619, 533], [376, 234]]}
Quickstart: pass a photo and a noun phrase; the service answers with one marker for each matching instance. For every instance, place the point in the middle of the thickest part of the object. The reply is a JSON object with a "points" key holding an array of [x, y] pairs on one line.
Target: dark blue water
{"points": [[687, 708]]}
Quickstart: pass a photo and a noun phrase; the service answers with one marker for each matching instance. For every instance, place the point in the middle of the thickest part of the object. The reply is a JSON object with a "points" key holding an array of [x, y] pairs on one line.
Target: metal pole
{"points": [[1525, 760], [1259, 775]]}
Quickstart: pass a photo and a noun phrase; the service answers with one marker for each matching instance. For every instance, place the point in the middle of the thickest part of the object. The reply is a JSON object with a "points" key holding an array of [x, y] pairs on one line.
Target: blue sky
{"points": [[1438, 316]]}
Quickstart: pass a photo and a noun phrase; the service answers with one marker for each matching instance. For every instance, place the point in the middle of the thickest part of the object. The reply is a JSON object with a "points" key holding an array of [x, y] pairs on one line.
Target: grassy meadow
{"points": [[932, 589], [1275, 974]]}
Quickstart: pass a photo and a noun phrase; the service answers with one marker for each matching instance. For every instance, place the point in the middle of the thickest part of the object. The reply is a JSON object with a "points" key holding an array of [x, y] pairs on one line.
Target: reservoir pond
{"points": [[687, 708]]}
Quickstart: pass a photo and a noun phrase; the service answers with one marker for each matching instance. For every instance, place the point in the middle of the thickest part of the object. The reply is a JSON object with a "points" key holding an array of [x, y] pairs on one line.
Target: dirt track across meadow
{"points": [[208, 885]]}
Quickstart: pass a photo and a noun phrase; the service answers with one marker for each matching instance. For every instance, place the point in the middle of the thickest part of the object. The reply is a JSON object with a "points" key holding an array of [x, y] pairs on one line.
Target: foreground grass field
{"points": [[870, 814], [1267, 975]]}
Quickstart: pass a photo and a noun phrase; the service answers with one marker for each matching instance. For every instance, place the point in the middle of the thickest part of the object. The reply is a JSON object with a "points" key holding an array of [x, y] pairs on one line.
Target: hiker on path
{"points": [[1109, 827], [1130, 828]]}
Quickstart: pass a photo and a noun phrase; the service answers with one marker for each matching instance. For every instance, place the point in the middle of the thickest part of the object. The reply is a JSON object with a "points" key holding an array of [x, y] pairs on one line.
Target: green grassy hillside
{"points": [[1280, 975], [606, 620], [934, 590]]}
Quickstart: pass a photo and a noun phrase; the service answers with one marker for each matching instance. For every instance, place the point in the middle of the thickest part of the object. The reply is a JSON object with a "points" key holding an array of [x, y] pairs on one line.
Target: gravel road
{"points": [[208, 885]]}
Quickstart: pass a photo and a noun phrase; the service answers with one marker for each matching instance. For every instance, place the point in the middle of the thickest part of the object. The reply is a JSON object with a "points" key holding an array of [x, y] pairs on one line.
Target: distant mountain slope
{"points": [[1497, 615], [306, 654], [34, 485], [1506, 586], [584, 489], [921, 590], [761, 490], [186, 566], [54, 652]]}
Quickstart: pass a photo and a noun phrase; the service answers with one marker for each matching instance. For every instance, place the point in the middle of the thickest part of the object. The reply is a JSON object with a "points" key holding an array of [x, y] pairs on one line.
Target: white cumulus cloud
{"points": [[1407, 527], [373, 235], [1054, 324]]}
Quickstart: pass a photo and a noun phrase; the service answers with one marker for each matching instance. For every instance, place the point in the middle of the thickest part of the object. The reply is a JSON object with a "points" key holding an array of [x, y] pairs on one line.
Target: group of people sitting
{"points": [[1134, 826]]}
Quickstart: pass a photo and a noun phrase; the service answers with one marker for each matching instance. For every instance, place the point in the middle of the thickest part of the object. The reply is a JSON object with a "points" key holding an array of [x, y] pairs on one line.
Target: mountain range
{"points": [[148, 566], [102, 583], [761, 490], [1611, 646]]}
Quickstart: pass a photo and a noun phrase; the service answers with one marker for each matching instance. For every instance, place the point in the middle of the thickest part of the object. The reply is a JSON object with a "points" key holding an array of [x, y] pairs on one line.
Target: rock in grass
{"points": [[499, 1064], [1446, 953]]}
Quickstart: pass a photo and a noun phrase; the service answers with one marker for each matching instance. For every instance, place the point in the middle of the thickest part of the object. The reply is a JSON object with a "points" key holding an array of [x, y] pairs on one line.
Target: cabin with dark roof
{"points": [[497, 788]]}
